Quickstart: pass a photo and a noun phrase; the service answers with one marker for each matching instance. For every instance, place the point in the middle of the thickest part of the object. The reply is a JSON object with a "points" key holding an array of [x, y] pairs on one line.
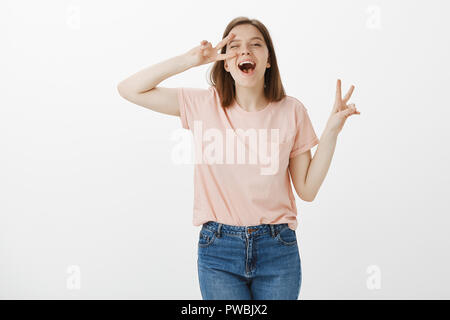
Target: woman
{"points": [[247, 247]]}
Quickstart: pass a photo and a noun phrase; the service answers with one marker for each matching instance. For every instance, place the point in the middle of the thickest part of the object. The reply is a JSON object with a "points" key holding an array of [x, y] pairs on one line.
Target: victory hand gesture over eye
{"points": [[205, 53], [341, 110]]}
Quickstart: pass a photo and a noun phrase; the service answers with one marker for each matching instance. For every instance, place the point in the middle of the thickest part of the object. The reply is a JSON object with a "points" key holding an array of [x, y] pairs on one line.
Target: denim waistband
{"points": [[219, 228]]}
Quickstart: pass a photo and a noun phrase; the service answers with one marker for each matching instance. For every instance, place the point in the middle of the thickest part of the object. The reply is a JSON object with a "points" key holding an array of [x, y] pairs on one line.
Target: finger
{"points": [[338, 91], [351, 109], [347, 112], [226, 56], [205, 47], [224, 41], [349, 94], [205, 44]]}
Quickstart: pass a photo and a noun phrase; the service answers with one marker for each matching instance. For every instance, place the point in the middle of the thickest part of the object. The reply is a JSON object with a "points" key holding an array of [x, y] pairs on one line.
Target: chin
{"points": [[251, 83]]}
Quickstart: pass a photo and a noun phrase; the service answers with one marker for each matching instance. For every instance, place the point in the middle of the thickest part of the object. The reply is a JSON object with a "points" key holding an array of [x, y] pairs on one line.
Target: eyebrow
{"points": [[250, 39]]}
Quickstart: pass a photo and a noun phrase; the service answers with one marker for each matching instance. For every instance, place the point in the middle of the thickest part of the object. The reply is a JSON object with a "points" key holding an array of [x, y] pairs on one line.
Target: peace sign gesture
{"points": [[205, 53], [341, 111]]}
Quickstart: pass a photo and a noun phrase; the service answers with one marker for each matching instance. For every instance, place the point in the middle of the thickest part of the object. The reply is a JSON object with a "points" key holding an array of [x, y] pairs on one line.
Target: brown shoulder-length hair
{"points": [[224, 82]]}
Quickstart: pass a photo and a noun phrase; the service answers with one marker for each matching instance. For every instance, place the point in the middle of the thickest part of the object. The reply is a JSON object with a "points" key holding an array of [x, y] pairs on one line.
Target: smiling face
{"points": [[249, 44]]}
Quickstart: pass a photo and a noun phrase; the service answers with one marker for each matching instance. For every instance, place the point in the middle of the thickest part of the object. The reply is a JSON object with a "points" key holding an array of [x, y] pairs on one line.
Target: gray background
{"points": [[93, 206]]}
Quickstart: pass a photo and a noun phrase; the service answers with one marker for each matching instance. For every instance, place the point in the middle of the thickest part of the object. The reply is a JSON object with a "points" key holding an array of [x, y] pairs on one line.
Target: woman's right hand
{"points": [[205, 53]]}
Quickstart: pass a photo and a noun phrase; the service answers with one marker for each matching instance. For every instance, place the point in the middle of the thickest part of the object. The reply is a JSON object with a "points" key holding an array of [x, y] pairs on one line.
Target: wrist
{"points": [[186, 61]]}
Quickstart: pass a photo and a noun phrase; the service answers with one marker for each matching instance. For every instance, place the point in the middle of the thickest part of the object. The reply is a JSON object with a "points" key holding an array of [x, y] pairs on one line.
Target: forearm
{"points": [[148, 78], [320, 163]]}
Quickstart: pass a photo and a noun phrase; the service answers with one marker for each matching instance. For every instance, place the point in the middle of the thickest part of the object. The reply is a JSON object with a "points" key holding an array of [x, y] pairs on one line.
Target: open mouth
{"points": [[247, 68]]}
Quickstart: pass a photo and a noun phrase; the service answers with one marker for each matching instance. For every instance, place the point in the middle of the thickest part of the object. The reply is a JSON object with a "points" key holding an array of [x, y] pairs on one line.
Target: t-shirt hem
{"points": [[200, 222]]}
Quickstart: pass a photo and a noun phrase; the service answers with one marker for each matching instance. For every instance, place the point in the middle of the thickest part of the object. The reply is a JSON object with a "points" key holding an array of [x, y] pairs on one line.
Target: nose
{"points": [[245, 51]]}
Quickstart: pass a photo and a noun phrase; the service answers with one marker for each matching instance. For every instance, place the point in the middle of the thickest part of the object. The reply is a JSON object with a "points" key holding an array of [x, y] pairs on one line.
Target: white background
{"points": [[87, 179]]}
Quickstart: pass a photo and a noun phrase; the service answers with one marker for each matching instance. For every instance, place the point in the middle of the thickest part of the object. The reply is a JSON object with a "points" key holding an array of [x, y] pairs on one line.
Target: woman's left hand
{"points": [[341, 111]]}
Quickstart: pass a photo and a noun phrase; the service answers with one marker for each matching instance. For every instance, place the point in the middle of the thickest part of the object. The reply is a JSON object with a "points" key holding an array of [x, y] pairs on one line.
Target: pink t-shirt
{"points": [[241, 174]]}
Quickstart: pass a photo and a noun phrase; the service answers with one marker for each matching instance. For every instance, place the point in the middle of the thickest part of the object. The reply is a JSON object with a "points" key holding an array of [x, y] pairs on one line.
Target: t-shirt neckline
{"points": [[251, 113]]}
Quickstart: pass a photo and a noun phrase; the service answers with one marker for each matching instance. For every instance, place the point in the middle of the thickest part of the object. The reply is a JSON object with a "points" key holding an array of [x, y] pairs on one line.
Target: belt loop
{"points": [[272, 231], [218, 230]]}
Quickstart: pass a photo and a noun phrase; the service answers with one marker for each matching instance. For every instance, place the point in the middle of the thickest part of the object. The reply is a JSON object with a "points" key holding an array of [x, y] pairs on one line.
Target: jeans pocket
{"points": [[206, 237], [286, 236]]}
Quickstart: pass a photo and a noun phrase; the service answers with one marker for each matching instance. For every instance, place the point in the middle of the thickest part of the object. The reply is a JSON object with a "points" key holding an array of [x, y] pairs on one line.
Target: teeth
{"points": [[247, 61]]}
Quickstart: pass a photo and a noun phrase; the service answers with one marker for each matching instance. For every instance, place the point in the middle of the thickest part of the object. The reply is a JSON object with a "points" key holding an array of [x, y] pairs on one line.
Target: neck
{"points": [[251, 98]]}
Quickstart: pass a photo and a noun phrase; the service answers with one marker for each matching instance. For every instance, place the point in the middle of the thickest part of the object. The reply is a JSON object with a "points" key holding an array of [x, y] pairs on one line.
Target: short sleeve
{"points": [[191, 101], [305, 137]]}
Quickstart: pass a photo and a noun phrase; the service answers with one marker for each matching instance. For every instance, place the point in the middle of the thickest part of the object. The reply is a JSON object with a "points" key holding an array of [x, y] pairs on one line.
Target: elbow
{"points": [[125, 91], [307, 198], [121, 90]]}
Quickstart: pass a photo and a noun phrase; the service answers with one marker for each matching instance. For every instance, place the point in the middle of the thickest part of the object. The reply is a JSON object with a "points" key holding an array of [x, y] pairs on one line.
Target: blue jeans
{"points": [[248, 262]]}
